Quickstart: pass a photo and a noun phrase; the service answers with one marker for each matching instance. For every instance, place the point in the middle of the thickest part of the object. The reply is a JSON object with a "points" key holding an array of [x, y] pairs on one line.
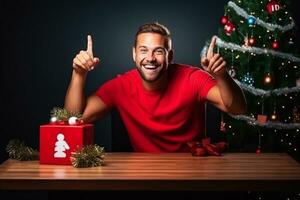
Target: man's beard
{"points": [[151, 71]]}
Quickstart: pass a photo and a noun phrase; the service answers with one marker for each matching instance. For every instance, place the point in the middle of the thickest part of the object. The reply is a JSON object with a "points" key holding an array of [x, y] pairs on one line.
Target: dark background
{"points": [[40, 38]]}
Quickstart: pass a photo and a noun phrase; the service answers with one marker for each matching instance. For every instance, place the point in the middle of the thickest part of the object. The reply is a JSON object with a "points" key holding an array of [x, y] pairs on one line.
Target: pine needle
{"points": [[17, 149], [63, 115], [88, 156]]}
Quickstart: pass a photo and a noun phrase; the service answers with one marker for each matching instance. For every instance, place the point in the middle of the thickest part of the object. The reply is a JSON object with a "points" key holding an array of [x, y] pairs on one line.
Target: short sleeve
{"points": [[202, 82], [106, 92]]}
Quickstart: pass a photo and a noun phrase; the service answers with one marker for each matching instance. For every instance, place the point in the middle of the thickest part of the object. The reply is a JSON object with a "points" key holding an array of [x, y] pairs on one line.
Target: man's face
{"points": [[151, 56]]}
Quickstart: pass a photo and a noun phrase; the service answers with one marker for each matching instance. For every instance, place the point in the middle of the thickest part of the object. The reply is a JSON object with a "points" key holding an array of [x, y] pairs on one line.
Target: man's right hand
{"points": [[85, 60]]}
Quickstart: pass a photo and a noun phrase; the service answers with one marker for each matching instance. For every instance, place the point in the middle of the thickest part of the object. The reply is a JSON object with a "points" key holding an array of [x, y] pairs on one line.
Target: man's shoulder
{"points": [[128, 75], [187, 69]]}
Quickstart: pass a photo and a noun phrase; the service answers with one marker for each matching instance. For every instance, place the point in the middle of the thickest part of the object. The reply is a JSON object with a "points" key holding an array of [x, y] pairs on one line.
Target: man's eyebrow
{"points": [[140, 47], [160, 48]]}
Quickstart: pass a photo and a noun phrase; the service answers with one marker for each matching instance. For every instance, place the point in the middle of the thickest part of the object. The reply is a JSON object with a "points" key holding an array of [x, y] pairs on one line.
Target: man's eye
{"points": [[159, 52], [143, 51]]}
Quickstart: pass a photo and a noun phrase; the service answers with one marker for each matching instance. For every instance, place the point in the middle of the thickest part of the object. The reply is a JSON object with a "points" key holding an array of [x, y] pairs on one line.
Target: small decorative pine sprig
{"points": [[88, 156], [17, 149], [63, 115]]}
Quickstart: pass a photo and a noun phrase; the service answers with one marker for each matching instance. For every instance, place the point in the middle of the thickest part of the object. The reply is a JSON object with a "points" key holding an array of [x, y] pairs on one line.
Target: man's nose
{"points": [[150, 56]]}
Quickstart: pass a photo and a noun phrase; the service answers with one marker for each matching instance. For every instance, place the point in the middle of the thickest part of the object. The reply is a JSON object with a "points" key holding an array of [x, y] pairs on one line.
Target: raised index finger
{"points": [[89, 45], [210, 51]]}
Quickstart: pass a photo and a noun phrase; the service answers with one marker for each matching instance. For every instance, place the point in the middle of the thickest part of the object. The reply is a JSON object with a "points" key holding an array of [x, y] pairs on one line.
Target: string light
{"points": [[268, 79]]}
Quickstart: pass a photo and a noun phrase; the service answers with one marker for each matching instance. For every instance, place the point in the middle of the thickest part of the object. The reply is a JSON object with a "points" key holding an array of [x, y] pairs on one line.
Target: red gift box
{"points": [[57, 142]]}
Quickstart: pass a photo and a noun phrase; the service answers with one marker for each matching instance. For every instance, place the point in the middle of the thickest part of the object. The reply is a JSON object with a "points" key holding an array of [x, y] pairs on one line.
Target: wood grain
{"points": [[170, 171]]}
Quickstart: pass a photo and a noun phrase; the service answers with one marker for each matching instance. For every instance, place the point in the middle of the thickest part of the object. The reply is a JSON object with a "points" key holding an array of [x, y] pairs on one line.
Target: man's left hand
{"points": [[213, 62]]}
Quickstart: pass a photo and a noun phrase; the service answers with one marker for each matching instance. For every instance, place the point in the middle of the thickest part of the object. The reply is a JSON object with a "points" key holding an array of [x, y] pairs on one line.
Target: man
{"points": [[161, 103]]}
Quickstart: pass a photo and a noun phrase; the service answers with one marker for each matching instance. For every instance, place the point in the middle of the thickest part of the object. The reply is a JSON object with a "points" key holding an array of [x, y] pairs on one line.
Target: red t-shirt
{"points": [[160, 121]]}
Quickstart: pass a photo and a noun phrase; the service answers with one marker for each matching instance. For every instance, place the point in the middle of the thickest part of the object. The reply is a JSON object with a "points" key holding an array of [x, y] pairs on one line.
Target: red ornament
{"points": [[229, 28], [249, 41], [273, 6], [258, 150], [275, 45], [224, 20], [223, 126]]}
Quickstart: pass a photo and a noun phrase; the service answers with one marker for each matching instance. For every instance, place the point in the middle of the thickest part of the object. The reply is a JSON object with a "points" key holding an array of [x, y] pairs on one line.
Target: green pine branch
{"points": [[63, 115], [88, 156], [17, 149]]}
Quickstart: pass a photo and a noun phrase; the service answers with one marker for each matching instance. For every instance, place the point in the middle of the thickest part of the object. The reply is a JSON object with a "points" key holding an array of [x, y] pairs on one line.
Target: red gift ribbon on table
{"points": [[205, 148]]}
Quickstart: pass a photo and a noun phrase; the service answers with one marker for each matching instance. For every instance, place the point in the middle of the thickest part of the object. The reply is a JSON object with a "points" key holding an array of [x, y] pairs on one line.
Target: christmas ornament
{"points": [[291, 41], [74, 120], [273, 6], [206, 148], [53, 120], [224, 20], [232, 72], [296, 115], [17, 149], [262, 119], [249, 41], [229, 28], [222, 125], [88, 156], [275, 44], [258, 150], [251, 21], [248, 79], [268, 79], [298, 82]]}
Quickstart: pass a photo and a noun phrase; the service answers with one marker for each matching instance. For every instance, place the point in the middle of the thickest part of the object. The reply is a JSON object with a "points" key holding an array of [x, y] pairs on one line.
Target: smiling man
{"points": [[161, 103]]}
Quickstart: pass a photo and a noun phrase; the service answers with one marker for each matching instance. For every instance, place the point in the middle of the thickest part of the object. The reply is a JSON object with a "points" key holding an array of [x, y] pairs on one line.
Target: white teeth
{"points": [[149, 66]]}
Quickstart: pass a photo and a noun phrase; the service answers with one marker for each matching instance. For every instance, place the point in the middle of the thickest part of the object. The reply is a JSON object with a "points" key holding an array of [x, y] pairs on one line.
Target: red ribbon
{"points": [[205, 148]]}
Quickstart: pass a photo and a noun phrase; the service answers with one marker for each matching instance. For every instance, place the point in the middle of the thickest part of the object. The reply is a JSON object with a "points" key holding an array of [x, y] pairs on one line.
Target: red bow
{"points": [[206, 148]]}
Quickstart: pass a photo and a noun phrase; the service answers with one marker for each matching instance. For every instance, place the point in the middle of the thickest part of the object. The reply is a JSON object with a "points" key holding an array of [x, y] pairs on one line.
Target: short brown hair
{"points": [[155, 28]]}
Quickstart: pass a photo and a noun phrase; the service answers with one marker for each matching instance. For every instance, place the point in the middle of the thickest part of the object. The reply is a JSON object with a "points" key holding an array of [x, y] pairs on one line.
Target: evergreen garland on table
{"points": [[88, 156], [17, 149], [62, 114]]}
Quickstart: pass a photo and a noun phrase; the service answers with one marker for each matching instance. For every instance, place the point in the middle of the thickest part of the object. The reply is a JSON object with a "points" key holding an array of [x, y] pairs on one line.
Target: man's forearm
{"points": [[231, 94], [75, 98]]}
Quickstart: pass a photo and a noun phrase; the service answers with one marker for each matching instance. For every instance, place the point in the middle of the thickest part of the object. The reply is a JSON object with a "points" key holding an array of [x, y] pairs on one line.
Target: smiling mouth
{"points": [[150, 67]]}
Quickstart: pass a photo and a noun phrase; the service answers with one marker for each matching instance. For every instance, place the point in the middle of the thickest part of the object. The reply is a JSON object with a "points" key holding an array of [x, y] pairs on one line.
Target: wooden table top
{"points": [[168, 171]]}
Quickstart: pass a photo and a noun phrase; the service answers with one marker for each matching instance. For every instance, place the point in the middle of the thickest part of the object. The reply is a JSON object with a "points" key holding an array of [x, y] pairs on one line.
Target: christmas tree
{"points": [[257, 40]]}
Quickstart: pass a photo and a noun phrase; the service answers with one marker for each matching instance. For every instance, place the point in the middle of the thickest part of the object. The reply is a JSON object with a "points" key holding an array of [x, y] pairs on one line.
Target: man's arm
{"points": [[226, 95], [75, 100]]}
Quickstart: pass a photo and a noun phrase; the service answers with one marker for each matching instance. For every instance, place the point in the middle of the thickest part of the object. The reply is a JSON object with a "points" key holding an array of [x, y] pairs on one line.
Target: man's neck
{"points": [[156, 85]]}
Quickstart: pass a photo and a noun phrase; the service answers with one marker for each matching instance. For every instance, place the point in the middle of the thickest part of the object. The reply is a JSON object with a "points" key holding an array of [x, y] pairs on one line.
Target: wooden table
{"points": [[170, 171]]}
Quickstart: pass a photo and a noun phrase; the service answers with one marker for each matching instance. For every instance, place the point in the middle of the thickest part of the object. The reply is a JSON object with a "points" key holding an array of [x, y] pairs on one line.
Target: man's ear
{"points": [[170, 56], [133, 53]]}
